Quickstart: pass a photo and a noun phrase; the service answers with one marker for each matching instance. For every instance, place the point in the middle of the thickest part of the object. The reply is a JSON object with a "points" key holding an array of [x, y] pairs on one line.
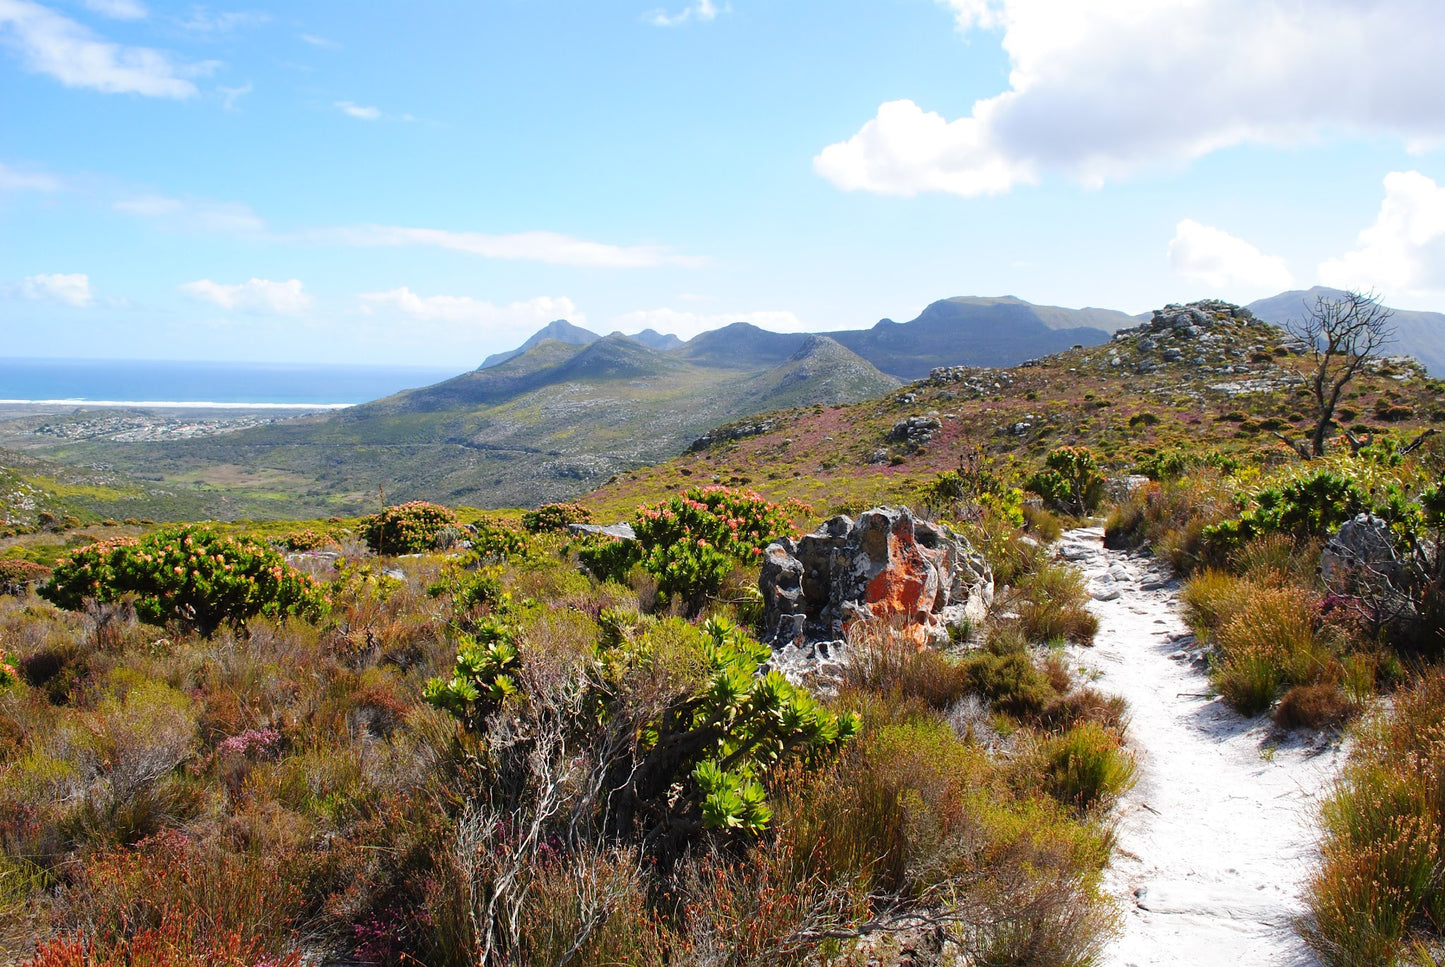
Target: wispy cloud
{"points": [[703, 11], [118, 9], [317, 41], [230, 95], [72, 289], [549, 247], [477, 313], [358, 111], [52, 44], [204, 21], [18, 179], [258, 296], [192, 215]]}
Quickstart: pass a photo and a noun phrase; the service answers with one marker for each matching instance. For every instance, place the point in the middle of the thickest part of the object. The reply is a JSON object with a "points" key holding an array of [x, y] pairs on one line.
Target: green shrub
{"points": [[691, 542], [1087, 767], [405, 528], [188, 574], [555, 518], [1010, 681], [1052, 603], [1071, 480]]}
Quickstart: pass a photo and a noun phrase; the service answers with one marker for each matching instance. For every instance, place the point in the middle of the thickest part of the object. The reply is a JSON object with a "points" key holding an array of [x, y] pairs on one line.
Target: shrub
{"points": [[555, 518], [17, 575], [9, 675], [1071, 480], [1316, 706], [1269, 642], [1380, 866], [1010, 681], [405, 528], [188, 574], [1087, 767], [307, 539], [691, 542], [1053, 605]]}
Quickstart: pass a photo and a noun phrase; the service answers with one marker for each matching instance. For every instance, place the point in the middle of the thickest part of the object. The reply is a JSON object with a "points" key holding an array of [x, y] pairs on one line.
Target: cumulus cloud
{"points": [[49, 43], [685, 324], [258, 296], [1403, 253], [702, 10], [549, 247], [358, 111], [194, 215], [475, 313], [16, 179], [118, 9], [72, 289], [1099, 89], [1222, 260]]}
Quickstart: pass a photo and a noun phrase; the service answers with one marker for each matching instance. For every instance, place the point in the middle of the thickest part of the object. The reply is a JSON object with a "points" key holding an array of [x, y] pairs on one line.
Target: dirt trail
{"points": [[1216, 838]]}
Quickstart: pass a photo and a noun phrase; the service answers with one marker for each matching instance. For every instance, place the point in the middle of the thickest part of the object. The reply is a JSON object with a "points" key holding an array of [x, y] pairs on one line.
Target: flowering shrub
{"points": [[8, 673], [307, 539], [1071, 480], [690, 542], [15, 575], [406, 528], [491, 539], [551, 518], [188, 574]]}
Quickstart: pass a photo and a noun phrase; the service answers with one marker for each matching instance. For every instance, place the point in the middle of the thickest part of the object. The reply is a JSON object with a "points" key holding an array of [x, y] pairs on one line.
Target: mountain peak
{"points": [[559, 329]]}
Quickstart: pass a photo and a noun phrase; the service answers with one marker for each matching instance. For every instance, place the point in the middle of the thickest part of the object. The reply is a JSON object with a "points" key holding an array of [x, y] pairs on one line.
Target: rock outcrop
{"points": [[888, 564], [1361, 556]]}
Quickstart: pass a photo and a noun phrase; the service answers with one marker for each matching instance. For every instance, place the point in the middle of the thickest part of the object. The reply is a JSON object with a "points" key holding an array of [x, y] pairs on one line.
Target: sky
{"points": [[429, 182]]}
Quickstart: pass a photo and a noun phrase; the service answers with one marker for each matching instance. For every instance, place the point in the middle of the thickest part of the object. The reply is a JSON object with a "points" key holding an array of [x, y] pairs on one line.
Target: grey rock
{"points": [[1172, 355], [1361, 556], [814, 586], [620, 531]]}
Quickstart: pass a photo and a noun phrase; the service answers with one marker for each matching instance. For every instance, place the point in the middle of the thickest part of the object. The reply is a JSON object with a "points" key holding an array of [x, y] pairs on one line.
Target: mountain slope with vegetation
{"points": [[545, 425]]}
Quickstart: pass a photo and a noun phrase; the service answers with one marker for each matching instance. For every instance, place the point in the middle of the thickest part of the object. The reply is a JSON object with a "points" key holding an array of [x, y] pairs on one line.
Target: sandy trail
{"points": [[1216, 838]]}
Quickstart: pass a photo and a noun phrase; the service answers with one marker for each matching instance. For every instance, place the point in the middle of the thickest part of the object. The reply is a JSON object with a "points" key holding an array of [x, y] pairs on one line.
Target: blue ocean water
{"points": [[135, 380]]}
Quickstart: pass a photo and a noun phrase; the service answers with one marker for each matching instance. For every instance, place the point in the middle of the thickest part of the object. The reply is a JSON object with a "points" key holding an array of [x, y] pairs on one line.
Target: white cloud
{"points": [[549, 247], [1099, 89], [685, 325], [702, 10], [905, 150], [1223, 261], [118, 9], [52, 44], [357, 111], [203, 21], [1403, 253], [14, 179], [191, 215], [72, 289], [496, 320], [262, 296], [317, 41]]}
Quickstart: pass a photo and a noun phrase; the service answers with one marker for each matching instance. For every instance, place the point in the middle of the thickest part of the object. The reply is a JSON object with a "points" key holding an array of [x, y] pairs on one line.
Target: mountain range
{"points": [[569, 409]]}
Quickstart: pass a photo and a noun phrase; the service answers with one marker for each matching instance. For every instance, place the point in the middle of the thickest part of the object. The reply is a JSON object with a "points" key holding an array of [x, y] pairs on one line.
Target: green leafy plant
{"points": [[691, 542], [484, 675], [1071, 480], [405, 528], [188, 574]]}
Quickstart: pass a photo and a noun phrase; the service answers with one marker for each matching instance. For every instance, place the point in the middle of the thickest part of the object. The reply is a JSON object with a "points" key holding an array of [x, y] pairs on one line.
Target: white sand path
{"points": [[1217, 836]]}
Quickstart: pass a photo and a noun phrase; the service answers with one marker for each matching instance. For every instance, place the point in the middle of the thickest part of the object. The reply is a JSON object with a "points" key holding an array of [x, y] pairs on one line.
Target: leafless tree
{"points": [[1342, 334]]}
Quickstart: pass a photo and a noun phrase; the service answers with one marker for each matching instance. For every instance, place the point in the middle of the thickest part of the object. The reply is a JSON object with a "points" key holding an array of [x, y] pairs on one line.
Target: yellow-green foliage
{"points": [[1380, 872]]}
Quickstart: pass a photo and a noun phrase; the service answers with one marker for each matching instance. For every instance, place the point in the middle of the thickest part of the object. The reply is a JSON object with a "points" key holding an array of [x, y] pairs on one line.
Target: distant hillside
{"points": [[552, 422], [1418, 334], [973, 331]]}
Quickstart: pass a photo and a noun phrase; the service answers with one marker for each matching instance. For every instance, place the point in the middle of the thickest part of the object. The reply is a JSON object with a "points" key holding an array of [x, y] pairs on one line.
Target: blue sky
{"points": [[430, 182]]}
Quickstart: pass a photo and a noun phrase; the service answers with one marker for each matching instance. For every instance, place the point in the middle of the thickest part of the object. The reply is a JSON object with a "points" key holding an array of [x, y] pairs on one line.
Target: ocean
{"points": [[205, 384]]}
